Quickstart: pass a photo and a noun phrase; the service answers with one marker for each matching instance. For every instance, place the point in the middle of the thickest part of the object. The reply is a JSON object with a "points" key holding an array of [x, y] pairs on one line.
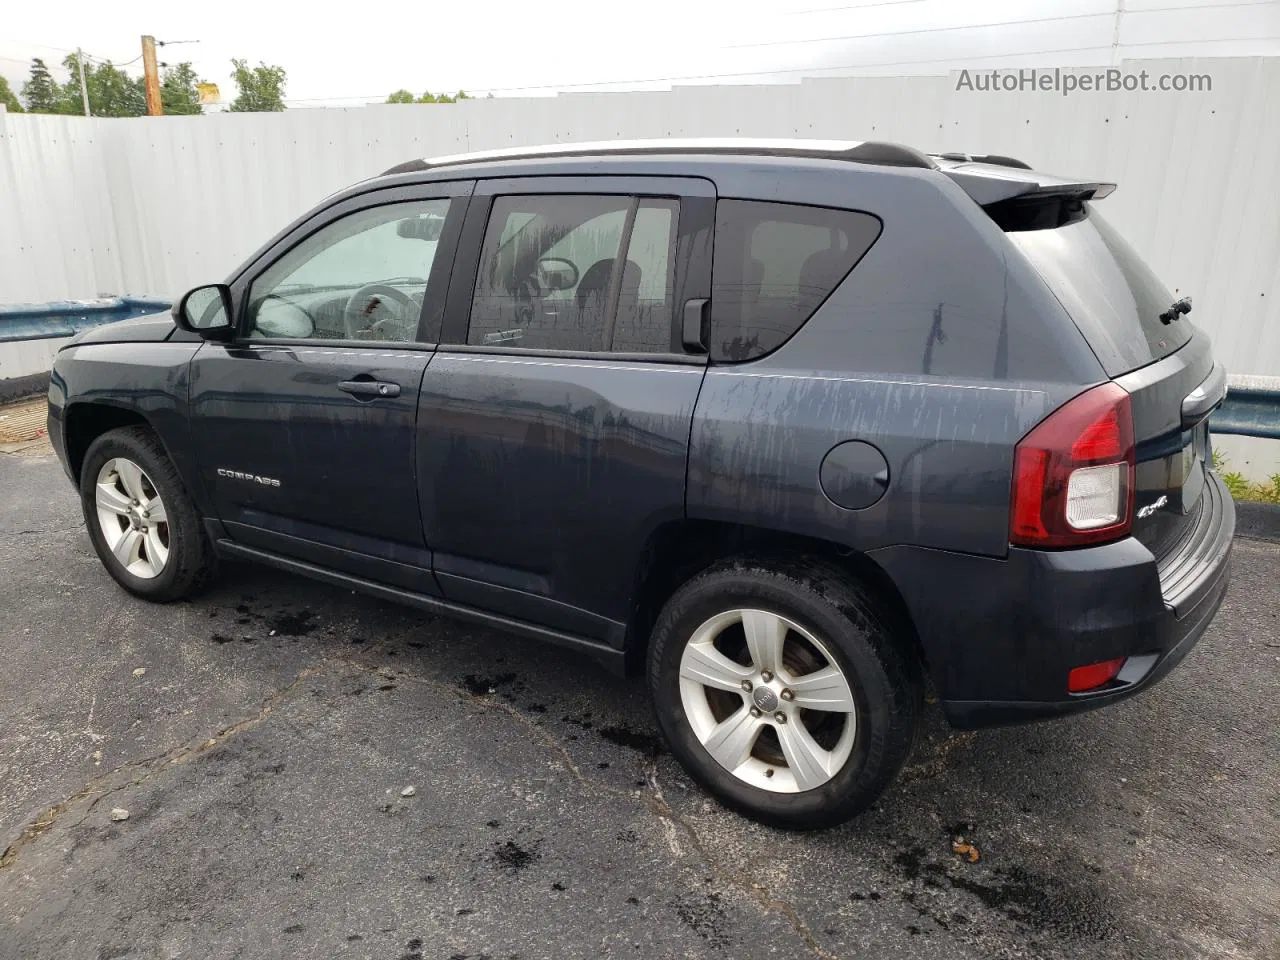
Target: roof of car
{"points": [[987, 178], [890, 154]]}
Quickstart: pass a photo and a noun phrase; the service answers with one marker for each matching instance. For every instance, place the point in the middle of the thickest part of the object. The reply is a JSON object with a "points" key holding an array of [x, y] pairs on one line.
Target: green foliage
{"points": [[1243, 489], [261, 88], [404, 96], [41, 92], [8, 98], [1237, 484], [112, 92], [178, 91]]}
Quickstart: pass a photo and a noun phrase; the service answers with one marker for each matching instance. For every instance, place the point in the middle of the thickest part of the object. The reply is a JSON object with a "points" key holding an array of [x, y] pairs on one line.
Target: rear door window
{"points": [[1111, 294], [576, 272], [774, 264]]}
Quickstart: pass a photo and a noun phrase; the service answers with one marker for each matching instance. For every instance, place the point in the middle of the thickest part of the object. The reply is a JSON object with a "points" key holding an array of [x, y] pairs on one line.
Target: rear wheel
{"points": [[143, 525], [783, 690]]}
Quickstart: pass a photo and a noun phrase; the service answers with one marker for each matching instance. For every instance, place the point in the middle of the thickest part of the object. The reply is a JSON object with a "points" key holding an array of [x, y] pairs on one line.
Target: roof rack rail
{"points": [[992, 158], [886, 154]]}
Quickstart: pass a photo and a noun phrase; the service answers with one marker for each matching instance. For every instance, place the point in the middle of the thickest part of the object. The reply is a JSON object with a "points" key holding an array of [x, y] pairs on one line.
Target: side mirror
{"points": [[556, 273], [205, 310]]}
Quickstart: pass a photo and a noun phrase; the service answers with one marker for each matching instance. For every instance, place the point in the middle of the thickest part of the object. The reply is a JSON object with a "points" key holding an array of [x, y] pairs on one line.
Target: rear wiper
{"points": [[1176, 310]]}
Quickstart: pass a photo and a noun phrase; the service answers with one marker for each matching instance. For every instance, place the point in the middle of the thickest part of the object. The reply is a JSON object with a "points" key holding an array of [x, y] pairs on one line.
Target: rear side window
{"points": [[1110, 293], [774, 264]]}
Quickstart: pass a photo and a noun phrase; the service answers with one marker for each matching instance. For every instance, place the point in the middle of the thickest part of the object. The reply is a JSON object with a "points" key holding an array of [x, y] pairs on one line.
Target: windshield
{"points": [[1111, 294]]}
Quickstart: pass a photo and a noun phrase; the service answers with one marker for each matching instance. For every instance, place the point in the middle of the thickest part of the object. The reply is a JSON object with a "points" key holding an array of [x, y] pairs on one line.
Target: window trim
{"points": [[300, 231], [691, 253]]}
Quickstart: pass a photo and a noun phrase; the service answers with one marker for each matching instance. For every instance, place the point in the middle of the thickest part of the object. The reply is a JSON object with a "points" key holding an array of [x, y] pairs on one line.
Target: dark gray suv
{"points": [[795, 428]]}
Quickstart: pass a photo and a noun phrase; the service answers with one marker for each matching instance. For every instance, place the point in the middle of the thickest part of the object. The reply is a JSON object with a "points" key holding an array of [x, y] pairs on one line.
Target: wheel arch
{"points": [[85, 421], [677, 551]]}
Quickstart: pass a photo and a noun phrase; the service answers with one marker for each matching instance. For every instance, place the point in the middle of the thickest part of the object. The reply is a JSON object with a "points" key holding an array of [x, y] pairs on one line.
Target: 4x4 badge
{"points": [[1152, 507]]}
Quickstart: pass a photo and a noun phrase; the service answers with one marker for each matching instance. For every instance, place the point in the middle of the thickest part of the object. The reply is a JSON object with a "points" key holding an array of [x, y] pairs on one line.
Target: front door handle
{"points": [[369, 388]]}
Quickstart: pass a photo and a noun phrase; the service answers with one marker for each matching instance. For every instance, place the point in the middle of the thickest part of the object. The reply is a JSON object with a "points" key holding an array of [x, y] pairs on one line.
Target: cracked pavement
{"points": [[263, 752]]}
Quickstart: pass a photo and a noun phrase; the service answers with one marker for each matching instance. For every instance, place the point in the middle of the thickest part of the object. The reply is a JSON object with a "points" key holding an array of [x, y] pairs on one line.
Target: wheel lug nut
{"points": [[766, 676], [780, 717], [769, 772], [746, 685], [755, 711], [787, 695]]}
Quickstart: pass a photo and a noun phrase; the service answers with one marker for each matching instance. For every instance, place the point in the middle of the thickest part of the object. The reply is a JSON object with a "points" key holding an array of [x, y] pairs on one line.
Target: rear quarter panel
{"points": [[939, 349]]}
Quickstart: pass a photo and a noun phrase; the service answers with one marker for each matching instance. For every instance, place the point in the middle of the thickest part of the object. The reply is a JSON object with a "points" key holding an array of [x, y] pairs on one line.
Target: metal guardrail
{"points": [[64, 318], [1252, 408]]}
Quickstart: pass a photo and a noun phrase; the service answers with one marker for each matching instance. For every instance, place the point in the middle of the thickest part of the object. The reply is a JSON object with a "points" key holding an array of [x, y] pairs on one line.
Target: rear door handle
{"points": [[693, 325], [369, 388]]}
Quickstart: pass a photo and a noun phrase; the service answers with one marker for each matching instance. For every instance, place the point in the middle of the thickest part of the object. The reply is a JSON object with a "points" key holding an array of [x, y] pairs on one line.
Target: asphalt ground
{"points": [[262, 738]]}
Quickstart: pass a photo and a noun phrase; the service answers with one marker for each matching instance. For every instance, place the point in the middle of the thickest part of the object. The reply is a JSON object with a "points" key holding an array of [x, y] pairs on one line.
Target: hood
{"points": [[149, 328]]}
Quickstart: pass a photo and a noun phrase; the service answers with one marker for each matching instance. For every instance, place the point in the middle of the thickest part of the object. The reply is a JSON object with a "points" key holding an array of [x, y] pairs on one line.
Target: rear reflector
{"points": [[1095, 675]]}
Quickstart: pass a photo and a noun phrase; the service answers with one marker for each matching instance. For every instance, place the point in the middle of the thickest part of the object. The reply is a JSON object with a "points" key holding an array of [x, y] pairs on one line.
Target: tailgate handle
{"points": [[1201, 401]]}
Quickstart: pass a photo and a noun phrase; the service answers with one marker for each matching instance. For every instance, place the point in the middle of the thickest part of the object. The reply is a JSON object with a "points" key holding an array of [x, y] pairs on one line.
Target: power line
{"points": [[856, 6], [983, 26], [923, 30], [1099, 47]]}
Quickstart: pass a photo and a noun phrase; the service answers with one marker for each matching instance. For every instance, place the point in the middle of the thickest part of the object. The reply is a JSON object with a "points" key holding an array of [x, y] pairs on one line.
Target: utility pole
{"points": [[155, 106], [84, 89]]}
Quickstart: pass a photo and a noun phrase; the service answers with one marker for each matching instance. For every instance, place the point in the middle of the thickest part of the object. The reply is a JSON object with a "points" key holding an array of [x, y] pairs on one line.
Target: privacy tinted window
{"points": [[1112, 295], [551, 276], [773, 266]]}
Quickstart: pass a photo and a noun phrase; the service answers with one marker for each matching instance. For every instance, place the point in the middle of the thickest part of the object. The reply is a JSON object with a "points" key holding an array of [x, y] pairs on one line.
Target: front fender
{"points": [[95, 387]]}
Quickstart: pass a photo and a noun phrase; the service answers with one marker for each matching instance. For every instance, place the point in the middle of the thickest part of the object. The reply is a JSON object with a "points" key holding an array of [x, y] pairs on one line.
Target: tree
{"points": [[8, 98], [404, 96], [178, 91], [41, 91], [112, 92], [261, 87]]}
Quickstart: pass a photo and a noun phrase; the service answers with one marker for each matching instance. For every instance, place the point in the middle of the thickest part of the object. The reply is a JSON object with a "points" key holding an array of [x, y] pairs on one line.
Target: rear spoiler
{"points": [[990, 180]]}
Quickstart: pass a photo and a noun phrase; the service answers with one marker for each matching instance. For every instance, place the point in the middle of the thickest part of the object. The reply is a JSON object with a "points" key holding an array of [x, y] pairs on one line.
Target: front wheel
{"points": [[784, 689], [143, 524]]}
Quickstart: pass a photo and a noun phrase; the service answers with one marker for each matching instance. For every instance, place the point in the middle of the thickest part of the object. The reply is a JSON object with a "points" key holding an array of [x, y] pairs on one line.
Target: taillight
{"points": [[1073, 474]]}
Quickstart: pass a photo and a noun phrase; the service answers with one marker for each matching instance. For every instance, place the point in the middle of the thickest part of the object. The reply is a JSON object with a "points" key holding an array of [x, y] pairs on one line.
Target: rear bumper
{"points": [[1000, 636]]}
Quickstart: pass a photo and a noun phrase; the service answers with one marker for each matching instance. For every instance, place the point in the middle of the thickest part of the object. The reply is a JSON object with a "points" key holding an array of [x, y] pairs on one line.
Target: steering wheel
{"points": [[362, 303]]}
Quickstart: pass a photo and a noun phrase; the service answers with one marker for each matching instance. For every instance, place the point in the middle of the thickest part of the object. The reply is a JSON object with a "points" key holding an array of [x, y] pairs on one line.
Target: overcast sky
{"points": [[351, 53]]}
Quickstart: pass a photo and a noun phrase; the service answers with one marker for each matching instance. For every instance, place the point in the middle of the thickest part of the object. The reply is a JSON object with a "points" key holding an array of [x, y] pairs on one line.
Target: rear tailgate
{"points": [[1126, 314], [1164, 363]]}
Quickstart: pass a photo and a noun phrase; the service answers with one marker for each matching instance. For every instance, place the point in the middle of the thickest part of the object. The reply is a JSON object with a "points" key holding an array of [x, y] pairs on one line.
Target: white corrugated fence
{"points": [[151, 206]]}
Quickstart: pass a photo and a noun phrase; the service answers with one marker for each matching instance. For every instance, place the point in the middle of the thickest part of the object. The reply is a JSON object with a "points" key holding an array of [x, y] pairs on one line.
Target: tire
{"points": [[819, 614], [163, 560]]}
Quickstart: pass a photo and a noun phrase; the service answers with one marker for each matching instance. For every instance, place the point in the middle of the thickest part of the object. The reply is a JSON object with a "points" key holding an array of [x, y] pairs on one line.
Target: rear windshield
{"points": [[1112, 296]]}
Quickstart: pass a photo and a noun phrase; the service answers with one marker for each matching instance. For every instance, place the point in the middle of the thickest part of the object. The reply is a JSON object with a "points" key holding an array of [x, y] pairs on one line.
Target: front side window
{"points": [[774, 264], [552, 275], [363, 277]]}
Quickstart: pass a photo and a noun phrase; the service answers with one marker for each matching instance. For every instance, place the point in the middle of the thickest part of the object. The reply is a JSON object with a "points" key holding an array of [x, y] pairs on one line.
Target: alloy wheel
{"points": [[132, 518], [768, 700]]}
